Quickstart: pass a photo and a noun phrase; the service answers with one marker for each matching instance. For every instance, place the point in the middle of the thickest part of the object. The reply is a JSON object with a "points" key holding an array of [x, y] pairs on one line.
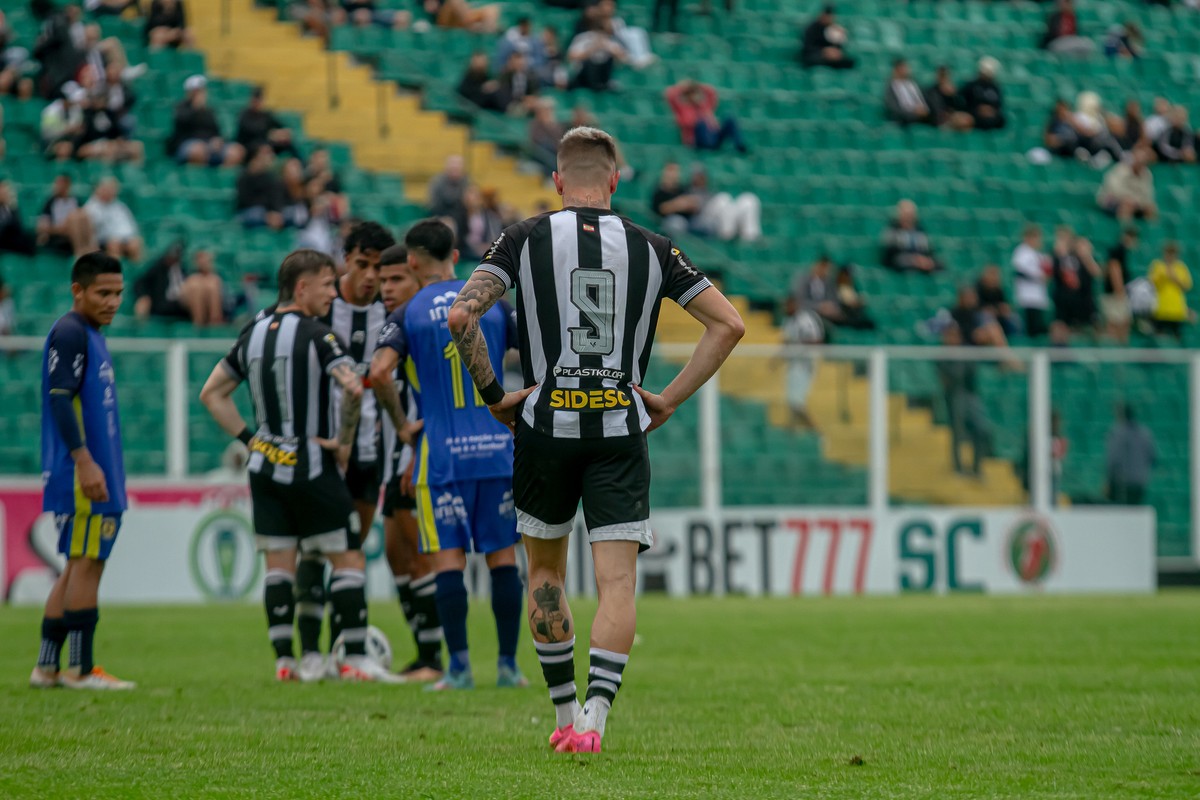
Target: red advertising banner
{"points": [[29, 540]]}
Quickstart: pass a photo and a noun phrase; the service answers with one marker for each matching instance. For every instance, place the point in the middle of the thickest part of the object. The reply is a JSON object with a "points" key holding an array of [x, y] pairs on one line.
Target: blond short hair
{"points": [[587, 156]]}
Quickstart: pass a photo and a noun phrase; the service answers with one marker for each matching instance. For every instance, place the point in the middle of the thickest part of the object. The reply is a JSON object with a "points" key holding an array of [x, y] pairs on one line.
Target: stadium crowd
{"points": [[90, 113]]}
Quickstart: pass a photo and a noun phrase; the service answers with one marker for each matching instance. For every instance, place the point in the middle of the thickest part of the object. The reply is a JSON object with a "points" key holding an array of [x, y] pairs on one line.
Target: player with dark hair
{"points": [[356, 316], [83, 471], [589, 285], [411, 569], [464, 457], [301, 503]]}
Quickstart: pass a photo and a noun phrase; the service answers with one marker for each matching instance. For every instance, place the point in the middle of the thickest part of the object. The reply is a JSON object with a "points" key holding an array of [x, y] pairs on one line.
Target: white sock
{"points": [[565, 714], [593, 716]]}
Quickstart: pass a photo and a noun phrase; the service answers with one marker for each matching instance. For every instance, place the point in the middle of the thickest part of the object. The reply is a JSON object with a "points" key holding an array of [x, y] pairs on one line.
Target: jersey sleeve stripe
{"points": [[337, 362], [499, 273], [691, 293]]}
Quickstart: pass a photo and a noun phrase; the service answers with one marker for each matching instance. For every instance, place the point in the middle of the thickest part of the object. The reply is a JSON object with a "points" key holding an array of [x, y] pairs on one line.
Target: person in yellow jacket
{"points": [[1172, 281]]}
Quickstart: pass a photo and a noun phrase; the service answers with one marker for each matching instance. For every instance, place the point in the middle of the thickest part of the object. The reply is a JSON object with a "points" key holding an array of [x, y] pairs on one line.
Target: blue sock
{"points": [[507, 591], [452, 608]]}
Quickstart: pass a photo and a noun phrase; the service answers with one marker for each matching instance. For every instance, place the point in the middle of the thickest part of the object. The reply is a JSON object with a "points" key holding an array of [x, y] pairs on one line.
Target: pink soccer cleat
{"points": [[586, 742], [561, 735]]}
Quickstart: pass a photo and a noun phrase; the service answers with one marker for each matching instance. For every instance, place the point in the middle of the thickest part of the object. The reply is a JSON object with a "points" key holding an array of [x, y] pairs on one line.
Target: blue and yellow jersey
{"points": [[462, 441], [76, 364]]}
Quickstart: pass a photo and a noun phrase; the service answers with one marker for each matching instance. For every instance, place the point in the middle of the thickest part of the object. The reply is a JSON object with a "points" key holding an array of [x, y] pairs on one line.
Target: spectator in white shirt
{"points": [[903, 100], [1158, 122], [1032, 269], [115, 228]]}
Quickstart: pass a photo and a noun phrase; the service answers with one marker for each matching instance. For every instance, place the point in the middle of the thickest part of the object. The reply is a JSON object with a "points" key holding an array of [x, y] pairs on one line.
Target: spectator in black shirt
{"points": [[1177, 144], [196, 135], [983, 98], [823, 43], [517, 86], [477, 84], [261, 196], [166, 25], [947, 104], [816, 291], [1060, 136], [63, 227], [851, 303], [994, 302], [1114, 299], [673, 203], [159, 289], [57, 50], [14, 237], [257, 126], [164, 290], [1127, 129], [976, 326], [1074, 272], [964, 407], [906, 246]]}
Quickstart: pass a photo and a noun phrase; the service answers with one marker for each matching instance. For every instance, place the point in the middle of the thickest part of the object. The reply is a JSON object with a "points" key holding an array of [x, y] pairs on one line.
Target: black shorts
{"points": [[363, 479], [394, 500], [611, 476], [314, 516]]}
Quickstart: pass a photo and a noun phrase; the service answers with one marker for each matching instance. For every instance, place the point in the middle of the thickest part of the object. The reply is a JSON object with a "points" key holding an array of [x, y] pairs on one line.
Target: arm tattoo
{"points": [[548, 617], [351, 403], [479, 294], [388, 398]]}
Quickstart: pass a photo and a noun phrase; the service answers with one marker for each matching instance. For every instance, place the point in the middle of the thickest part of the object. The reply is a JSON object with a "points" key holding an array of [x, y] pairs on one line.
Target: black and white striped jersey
{"points": [[358, 328], [287, 360], [589, 285]]}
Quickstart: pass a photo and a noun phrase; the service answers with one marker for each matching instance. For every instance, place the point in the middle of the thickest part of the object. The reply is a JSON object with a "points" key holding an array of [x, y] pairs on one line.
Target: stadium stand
{"points": [[826, 166]]}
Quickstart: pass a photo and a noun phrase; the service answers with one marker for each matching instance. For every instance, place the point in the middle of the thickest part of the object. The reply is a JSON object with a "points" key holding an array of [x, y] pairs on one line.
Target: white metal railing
{"points": [[179, 391]]}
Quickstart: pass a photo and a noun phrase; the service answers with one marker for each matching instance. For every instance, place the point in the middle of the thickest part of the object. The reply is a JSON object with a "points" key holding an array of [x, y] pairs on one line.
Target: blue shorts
{"points": [[90, 536], [475, 516]]}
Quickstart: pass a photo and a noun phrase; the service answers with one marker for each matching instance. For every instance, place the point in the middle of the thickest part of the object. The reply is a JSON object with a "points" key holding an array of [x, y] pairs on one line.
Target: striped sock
{"points": [[280, 602], [604, 681], [54, 633], [558, 667], [310, 603], [347, 591], [428, 622], [404, 591]]}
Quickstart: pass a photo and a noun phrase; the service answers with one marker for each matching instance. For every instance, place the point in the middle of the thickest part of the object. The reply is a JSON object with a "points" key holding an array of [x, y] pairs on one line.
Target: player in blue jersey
{"points": [[464, 458], [83, 471]]}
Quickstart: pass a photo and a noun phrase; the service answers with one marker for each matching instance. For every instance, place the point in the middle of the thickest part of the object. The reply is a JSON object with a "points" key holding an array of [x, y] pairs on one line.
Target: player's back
{"points": [[461, 439], [76, 363], [589, 285], [286, 359]]}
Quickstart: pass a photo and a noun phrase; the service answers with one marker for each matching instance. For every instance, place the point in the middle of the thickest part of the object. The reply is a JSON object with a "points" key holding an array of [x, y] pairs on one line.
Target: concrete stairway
{"points": [[342, 101]]}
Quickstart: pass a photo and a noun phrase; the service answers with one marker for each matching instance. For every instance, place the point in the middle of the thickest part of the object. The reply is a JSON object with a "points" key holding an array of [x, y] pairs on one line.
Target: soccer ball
{"points": [[379, 649]]}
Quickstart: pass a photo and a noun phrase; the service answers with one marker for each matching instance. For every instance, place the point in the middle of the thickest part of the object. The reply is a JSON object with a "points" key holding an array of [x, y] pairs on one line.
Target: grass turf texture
{"points": [[912, 697]]}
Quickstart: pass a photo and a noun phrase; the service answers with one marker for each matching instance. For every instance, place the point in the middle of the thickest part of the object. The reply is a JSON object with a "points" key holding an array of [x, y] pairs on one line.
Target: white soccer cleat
{"points": [[98, 680], [42, 679], [361, 669], [285, 669], [312, 668]]}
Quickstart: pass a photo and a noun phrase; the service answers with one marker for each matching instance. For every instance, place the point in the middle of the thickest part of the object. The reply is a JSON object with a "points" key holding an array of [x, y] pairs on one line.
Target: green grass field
{"points": [[915, 697]]}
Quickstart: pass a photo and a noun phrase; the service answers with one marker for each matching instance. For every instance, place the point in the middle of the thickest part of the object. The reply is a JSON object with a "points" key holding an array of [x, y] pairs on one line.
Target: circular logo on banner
{"points": [[224, 563], [1032, 550]]}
